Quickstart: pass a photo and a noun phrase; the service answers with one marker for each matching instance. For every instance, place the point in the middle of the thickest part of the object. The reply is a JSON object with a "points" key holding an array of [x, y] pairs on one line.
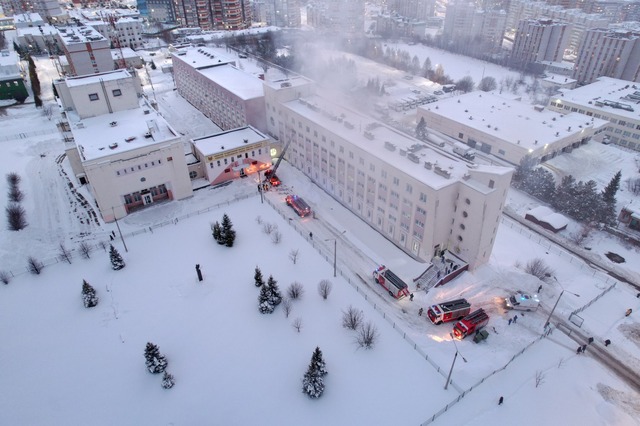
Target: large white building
{"points": [[118, 145], [419, 199], [509, 129], [616, 101], [210, 81], [86, 50]]}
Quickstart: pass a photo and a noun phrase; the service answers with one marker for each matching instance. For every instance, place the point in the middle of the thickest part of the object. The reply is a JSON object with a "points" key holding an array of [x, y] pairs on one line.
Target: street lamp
{"points": [[446, 385], [546, 324], [335, 252]]}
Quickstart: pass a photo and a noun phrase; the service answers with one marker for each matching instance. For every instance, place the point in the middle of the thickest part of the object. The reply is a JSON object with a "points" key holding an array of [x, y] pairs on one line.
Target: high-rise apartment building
{"points": [[539, 40], [340, 16], [277, 13], [465, 23], [412, 9], [213, 14], [45, 8], [609, 52], [615, 10]]}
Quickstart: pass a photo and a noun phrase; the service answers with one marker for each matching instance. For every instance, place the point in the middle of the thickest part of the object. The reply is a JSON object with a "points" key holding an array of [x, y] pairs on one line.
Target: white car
{"points": [[522, 302]]}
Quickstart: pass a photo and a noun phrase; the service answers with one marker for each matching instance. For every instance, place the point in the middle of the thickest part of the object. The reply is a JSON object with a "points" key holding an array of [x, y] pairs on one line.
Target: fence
{"points": [[605, 291], [25, 135]]}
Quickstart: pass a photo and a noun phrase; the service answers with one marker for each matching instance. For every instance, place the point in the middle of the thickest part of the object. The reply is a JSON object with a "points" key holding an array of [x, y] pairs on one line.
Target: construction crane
{"points": [[115, 40]]}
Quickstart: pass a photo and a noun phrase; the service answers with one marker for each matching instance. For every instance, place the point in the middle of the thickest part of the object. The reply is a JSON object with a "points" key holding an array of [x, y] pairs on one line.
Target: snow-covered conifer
{"points": [[154, 360], [258, 277], [88, 295], [168, 380], [116, 260], [275, 295], [312, 382], [264, 301], [215, 231], [318, 361], [227, 234]]}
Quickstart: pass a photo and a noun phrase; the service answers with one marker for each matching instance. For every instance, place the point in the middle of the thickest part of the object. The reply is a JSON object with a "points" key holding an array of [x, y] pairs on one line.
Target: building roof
{"points": [[74, 35], [98, 137], [228, 140], [620, 93], [243, 85], [97, 78], [9, 64], [127, 53], [202, 57], [527, 125], [389, 145]]}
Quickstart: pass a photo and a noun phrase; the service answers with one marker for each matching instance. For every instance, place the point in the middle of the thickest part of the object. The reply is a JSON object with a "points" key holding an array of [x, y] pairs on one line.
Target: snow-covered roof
{"points": [[545, 214], [96, 78], [9, 63], [98, 137], [73, 35], [516, 122], [202, 57], [127, 52], [225, 141], [623, 97], [389, 145], [28, 18], [243, 85], [44, 29]]}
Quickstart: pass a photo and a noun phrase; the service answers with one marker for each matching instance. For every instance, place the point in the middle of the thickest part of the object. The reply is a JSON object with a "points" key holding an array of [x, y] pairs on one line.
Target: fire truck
{"points": [[470, 324], [449, 311], [391, 282], [298, 204]]}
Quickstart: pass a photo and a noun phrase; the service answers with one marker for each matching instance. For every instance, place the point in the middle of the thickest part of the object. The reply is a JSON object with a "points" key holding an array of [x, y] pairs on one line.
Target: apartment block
{"points": [[609, 52], [225, 94], [417, 198], [412, 9], [277, 13], [213, 14], [340, 16], [539, 40], [465, 24], [613, 100], [86, 50]]}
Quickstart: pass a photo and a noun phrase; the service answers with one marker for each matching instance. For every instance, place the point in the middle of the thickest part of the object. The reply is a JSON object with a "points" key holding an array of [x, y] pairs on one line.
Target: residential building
{"points": [[615, 10], [609, 52], [211, 82], [507, 128], [610, 99], [394, 25], [47, 9], [230, 155], [539, 40], [33, 35], [85, 49], [419, 10], [118, 145], [277, 13], [468, 28], [213, 14], [11, 81], [123, 31], [417, 198], [339, 16]]}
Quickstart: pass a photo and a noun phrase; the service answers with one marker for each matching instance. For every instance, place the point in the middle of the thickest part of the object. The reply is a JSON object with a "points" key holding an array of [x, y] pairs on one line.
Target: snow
{"points": [[64, 363], [545, 214]]}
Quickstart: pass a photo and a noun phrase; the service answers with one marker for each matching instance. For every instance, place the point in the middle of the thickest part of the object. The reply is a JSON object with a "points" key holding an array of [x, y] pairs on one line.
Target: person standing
{"points": [[515, 319], [501, 400]]}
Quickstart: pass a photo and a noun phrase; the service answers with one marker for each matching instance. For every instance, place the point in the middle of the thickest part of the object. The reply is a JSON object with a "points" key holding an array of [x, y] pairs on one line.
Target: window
{"points": [[423, 197], [465, 214], [93, 96], [117, 92], [193, 174]]}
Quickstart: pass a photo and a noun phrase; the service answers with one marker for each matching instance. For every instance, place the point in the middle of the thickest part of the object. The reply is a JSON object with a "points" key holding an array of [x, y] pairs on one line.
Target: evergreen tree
{"points": [[116, 260], [565, 193], [275, 296], [587, 202], [227, 234], [167, 380], [610, 191], [153, 65], [318, 361], [88, 295], [154, 360], [216, 232], [312, 382], [264, 301], [523, 170], [258, 277], [421, 129], [540, 183]]}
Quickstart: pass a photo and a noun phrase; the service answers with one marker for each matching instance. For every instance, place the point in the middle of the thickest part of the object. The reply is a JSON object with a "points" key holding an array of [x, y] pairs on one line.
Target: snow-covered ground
{"points": [[63, 364]]}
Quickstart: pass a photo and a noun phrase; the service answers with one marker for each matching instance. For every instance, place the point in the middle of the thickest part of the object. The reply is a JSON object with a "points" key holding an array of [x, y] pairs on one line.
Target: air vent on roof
{"points": [[146, 112], [428, 165], [390, 146], [414, 158]]}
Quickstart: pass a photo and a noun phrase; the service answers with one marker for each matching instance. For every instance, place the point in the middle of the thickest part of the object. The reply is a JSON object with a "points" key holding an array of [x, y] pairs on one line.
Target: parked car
{"points": [[522, 302]]}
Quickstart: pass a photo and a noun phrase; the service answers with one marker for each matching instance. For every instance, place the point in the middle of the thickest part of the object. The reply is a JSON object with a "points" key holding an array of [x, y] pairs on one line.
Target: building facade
{"points": [[277, 13], [469, 27], [11, 82], [118, 145], [610, 99], [86, 50], [418, 199], [213, 14], [608, 52], [340, 16], [227, 95], [413, 9], [539, 40]]}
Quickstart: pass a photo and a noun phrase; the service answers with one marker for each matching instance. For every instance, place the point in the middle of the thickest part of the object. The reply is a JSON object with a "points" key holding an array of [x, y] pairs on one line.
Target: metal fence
{"points": [[605, 291]]}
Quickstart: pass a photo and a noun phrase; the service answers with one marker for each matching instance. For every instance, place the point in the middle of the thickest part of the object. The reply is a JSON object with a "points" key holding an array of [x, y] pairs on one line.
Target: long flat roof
{"points": [[594, 96], [398, 150], [96, 78], [72, 35], [513, 121], [97, 137], [231, 139], [238, 82], [202, 57]]}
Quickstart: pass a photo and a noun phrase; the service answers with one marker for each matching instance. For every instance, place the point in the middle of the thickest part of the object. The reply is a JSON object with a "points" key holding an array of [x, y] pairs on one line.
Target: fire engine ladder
{"points": [[275, 166], [476, 316]]}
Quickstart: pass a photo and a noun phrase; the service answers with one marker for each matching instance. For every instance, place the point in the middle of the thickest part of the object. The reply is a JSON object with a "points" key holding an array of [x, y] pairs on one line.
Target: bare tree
{"points": [[5, 277], [276, 238], [297, 324], [268, 228], [367, 335], [16, 217], [64, 253], [15, 195], [293, 255], [259, 220], [34, 265], [85, 250], [13, 179], [324, 288], [48, 111], [538, 268], [352, 318], [295, 290], [561, 363], [578, 237], [539, 378], [286, 307], [103, 245]]}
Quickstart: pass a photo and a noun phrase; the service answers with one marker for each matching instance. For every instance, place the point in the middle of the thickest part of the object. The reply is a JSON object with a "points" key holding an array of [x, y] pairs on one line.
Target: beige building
{"points": [[509, 129], [86, 50], [417, 198], [119, 146]]}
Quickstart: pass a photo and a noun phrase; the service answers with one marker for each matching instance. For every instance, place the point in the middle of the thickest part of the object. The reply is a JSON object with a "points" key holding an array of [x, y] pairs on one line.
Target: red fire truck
{"points": [[470, 324], [391, 282], [449, 311], [298, 204]]}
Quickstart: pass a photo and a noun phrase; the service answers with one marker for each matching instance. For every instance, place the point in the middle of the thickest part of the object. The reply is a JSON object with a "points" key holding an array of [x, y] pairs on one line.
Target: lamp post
{"points": [[546, 324], [119, 231], [446, 385], [335, 252]]}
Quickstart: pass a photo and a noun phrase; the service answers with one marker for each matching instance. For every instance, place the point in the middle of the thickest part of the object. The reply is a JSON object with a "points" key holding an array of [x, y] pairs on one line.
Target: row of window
{"points": [[95, 97], [138, 168]]}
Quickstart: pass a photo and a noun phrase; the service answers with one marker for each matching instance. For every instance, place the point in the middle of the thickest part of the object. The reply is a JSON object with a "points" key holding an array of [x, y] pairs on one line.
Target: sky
{"points": [[234, 365]]}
